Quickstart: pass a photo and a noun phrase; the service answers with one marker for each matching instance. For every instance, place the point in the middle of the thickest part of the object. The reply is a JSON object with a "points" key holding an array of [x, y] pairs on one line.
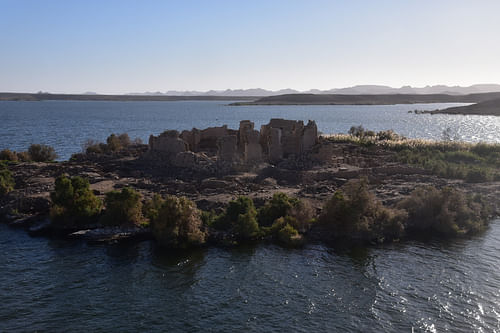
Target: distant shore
{"points": [[118, 98], [486, 108], [482, 104], [388, 99]]}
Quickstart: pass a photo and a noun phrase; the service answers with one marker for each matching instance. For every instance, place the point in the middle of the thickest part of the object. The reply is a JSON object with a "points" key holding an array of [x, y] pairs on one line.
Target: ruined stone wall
{"points": [[277, 140], [167, 142]]}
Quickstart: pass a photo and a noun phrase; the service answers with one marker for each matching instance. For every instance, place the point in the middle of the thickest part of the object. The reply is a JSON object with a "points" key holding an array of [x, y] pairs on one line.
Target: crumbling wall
{"points": [[249, 142], [284, 138], [167, 142], [277, 140]]}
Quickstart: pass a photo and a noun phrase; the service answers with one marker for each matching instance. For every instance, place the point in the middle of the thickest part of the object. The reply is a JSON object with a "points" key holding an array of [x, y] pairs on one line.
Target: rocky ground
{"points": [[313, 178]]}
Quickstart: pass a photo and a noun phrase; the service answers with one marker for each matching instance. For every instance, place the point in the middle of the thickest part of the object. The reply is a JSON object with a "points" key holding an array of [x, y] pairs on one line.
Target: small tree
{"points": [[74, 203], [175, 222], [123, 208]]}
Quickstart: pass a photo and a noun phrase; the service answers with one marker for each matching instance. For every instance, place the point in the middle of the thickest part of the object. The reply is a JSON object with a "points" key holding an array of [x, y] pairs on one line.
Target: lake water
{"points": [[66, 125], [51, 285], [54, 286]]}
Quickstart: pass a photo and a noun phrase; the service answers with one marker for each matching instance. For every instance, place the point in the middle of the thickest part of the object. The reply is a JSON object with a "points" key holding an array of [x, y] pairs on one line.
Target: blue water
{"points": [[66, 125]]}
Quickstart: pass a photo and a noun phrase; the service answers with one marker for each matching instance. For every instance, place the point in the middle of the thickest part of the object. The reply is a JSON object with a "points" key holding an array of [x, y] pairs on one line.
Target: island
{"points": [[284, 183]]}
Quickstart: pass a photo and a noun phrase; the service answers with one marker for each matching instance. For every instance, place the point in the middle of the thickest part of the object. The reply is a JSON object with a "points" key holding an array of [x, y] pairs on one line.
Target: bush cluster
{"points": [[41, 153], [74, 204], [354, 213], [282, 218], [35, 153], [445, 211]]}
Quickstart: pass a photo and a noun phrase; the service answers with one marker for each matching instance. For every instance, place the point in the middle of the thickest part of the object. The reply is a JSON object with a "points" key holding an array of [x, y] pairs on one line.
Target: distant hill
{"points": [[345, 99], [355, 90]]}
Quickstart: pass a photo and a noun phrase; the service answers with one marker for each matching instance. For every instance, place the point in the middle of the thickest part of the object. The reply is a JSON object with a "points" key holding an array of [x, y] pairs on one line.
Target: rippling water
{"points": [[54, 286], [66, 125]]}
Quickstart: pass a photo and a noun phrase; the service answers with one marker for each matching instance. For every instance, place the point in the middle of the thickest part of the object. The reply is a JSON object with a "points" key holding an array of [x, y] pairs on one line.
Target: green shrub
{"points": [[73, 202], [388, 135], [23, 156], [478, 176], [123, 208], [279, 205], [94, 147], [447, 212], [177, 223], [357, 131], [354, 213], [114, 143], [208, 217], [240, 217], [151, 207], [8, 155], [6, 181], [485, 149], [303, 216], [41, 153], [289, 236]]}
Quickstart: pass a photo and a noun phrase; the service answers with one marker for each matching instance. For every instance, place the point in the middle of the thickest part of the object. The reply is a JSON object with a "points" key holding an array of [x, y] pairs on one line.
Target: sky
{"points": [[123, 46]]}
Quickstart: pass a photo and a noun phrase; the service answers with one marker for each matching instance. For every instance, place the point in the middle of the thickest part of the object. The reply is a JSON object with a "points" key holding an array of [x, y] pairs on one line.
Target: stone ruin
{"points": [[280, 139]]}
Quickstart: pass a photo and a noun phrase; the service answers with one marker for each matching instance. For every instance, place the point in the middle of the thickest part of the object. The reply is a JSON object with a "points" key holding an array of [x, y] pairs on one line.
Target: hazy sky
{"points": [[134, 46]]}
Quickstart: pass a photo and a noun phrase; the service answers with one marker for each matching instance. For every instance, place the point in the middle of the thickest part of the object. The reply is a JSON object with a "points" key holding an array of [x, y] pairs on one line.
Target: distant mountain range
{"points": [[356, 90]]}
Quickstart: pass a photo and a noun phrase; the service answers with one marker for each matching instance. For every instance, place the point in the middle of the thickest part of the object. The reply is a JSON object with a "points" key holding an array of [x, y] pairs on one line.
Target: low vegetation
{"points": [[74, 204], [6, 181], [474, 163]]}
